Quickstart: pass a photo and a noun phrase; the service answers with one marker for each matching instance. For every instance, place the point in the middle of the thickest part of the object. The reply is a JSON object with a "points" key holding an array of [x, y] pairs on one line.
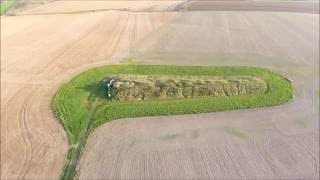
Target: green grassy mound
{"points": [[81, 104]]}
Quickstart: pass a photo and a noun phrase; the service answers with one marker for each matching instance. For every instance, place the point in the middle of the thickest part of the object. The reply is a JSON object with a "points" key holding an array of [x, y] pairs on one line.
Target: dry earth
{"points": [[40, 52], [240, 5]]}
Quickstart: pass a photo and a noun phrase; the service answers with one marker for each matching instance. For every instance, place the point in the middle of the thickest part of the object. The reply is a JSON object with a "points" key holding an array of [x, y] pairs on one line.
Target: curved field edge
{"points": [[81, 106]]}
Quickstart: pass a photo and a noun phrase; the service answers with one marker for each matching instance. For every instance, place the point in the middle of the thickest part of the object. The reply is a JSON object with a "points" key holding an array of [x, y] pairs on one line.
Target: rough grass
{"points": [[151, 87], [81, 105]]}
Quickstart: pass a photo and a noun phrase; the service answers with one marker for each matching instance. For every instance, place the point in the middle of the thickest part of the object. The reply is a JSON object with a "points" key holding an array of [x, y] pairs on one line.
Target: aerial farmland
{"points": [[160, 89]]}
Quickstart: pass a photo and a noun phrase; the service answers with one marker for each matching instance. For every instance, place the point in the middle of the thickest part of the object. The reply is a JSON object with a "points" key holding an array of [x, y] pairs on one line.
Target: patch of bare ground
{"points": [[39, 53], [268, 143]]}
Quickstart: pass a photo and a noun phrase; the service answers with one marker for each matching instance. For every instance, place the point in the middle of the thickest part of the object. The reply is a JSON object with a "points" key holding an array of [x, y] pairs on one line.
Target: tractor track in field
{"points": [[26, 138], [118, 37]]}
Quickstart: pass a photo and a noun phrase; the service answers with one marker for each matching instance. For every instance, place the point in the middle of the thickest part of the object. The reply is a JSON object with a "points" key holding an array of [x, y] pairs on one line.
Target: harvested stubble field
{"points": [[277, 142]]}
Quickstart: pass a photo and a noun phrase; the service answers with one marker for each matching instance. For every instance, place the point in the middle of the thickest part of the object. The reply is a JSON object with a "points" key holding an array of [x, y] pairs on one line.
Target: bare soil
{"points": [[38, 54], [247, 144], [282, 6]]}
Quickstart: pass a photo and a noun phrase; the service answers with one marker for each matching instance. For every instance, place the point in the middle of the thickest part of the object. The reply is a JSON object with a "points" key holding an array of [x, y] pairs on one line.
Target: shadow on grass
{"points": [[97, 90]]}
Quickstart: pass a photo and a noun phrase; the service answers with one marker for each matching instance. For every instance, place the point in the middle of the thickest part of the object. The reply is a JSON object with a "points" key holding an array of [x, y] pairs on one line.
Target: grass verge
{"points": [[81, 105]]}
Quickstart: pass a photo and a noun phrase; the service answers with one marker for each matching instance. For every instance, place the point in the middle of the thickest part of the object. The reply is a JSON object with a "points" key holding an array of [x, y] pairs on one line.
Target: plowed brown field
{"points": [[38, 53], [231, 5], [45, 46]]}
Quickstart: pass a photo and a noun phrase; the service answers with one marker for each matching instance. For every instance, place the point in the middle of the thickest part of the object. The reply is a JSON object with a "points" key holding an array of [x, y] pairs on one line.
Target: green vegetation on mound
{"points": [[81, 104]]}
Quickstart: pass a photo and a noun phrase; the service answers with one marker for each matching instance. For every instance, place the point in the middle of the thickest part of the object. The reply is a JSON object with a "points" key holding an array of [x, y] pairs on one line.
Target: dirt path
{"points": [[39, 53]]}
